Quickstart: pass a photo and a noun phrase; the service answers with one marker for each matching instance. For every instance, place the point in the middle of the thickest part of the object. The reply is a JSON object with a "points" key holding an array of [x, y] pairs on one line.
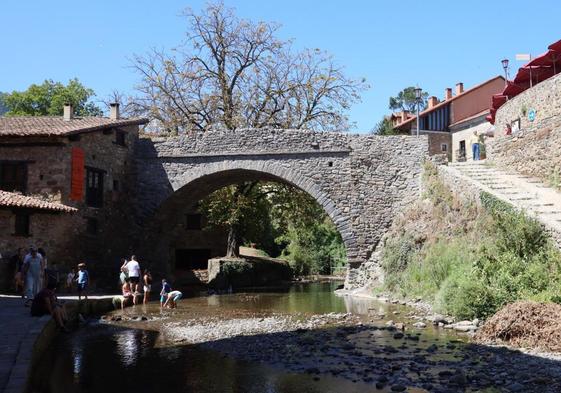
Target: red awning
{"points": [[551, 59], [497, 100], [556, 46], [513, 89], [537, 73]]}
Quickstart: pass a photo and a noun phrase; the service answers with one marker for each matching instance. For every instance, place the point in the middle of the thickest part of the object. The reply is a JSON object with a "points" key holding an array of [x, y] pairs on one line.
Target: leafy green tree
{"points": [[406, 101], [281, 220], [48, 99], [3, 107], [384, 127]]}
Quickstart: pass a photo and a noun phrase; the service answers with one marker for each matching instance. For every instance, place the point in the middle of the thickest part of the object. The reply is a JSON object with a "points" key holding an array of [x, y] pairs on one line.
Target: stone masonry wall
{"points": [[534, 149], [360, 181], [64, 236], [544, 98]]}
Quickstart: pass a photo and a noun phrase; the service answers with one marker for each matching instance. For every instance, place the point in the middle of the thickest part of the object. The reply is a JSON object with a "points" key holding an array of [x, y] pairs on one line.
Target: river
{"points": [[302, 339]]}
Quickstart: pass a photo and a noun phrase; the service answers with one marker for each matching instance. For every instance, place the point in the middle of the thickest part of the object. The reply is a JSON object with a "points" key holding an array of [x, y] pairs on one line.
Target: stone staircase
{"points": [[524, 192]]}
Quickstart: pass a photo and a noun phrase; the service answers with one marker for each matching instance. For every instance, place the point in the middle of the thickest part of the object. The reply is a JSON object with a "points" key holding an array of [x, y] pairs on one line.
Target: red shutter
{"points": [[77, 181]]}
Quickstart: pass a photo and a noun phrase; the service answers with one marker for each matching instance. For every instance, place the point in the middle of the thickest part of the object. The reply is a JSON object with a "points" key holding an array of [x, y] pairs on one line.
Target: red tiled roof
{"points": [[445, 102], [16, 200], [57, 126]]}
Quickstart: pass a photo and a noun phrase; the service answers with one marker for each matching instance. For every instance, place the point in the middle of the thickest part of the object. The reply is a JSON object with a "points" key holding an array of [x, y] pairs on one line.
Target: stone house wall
{"points": [[63, 235], [465, 135]]}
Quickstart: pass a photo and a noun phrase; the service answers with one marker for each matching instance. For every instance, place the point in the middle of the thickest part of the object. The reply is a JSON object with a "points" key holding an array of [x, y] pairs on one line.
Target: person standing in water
{"points": [[164, 292], [147, 285], [133, 270], [33, 268]]}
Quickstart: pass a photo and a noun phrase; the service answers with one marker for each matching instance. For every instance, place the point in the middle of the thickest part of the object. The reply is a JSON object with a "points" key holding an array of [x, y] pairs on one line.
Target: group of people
{"points": [[37, 283], [32, 274], [132, 277]]}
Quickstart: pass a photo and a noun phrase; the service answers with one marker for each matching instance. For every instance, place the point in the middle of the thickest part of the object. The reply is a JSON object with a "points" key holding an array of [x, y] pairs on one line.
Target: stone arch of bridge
{"points": [[200, 180]]}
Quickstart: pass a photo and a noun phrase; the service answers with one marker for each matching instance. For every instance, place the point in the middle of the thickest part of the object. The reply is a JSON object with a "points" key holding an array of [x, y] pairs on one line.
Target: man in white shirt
{"points": [[133, 269]]}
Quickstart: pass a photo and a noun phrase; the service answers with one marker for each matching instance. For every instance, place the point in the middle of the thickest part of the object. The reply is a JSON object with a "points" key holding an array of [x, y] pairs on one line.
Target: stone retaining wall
{"points": [[534, 149]]}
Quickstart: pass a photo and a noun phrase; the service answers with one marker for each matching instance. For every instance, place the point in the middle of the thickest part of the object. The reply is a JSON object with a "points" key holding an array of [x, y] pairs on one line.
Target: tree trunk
{"points": [[233, 249]]}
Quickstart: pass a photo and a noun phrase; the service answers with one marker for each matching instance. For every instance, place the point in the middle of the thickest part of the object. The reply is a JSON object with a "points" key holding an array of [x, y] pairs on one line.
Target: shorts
{"points": [[82, 286], [177, 297], [134, 280], [147, 288], [163, 298]]}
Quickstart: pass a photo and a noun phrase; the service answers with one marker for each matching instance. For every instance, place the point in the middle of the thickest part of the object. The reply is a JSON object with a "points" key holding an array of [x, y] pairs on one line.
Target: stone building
{"points": [[65, 183], [449, 123]]}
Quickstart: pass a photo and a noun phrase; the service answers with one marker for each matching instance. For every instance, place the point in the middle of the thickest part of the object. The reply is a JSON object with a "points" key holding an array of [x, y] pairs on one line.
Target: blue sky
{"points": [[392, 44]]}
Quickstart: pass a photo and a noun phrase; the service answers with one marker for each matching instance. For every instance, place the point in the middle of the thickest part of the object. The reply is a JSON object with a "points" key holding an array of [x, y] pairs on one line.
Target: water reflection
{"points": [[102, 358], [77, 359], [128, 346]]}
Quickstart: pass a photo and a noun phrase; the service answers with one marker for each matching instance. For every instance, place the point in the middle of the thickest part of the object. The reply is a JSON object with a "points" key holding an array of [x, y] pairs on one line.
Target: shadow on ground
{"points": [[364, 358]]}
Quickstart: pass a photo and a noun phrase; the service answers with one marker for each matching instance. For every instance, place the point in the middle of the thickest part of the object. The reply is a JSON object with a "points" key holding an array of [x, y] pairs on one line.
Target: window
{"points": [[13, 176], [444, 147], [120, 138], [21, 224], [91, 226], [94, 187], [194, 222]]}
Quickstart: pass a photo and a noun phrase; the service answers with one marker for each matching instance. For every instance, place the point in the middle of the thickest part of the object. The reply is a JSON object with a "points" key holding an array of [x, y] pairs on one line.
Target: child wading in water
{"points": [[164, 292], [173, 298], [82, 280]]}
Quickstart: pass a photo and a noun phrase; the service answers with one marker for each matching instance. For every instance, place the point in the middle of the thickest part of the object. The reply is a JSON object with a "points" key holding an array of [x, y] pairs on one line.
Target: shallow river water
{"points": [[302, 339]]}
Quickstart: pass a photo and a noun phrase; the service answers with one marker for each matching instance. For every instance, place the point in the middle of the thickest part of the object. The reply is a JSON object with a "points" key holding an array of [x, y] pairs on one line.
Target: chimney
{"points": [[114, 111], [459, 88], [403, 116], [432, 101], [68, 112], [447, 93]]}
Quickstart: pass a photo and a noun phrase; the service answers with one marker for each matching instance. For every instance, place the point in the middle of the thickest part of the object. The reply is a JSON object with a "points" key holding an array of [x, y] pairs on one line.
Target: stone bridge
{"points": [[361, 181]]}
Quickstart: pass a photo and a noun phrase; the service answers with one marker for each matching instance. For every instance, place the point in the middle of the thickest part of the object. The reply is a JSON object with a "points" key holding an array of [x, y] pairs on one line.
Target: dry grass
{"points": [[524, 324]]}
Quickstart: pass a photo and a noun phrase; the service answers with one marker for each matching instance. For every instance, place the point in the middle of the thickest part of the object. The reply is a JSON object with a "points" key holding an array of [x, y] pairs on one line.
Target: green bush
{"points": [[398, 253], [465, 296], [425, 275], [474, 270]]}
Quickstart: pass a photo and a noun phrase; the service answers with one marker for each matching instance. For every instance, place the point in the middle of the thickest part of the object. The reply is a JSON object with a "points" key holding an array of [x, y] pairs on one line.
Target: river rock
{"points": [[420, 325]]}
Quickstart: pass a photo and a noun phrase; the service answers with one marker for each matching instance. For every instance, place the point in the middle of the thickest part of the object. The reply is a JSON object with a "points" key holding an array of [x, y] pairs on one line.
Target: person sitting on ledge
{"points": [[126, 299], [45, 302]]}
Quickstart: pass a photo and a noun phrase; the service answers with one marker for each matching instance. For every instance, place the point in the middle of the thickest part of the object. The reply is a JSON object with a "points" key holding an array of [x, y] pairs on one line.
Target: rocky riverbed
{"points": [[398, 354]]}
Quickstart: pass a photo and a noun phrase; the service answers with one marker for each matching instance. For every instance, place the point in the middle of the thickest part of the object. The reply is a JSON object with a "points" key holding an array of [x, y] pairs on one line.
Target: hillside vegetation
{"points": [[468, 259]]}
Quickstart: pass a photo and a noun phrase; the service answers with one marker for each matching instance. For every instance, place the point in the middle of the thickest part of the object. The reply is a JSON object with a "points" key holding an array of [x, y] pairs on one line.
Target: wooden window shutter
{"points": [[77, 180]]}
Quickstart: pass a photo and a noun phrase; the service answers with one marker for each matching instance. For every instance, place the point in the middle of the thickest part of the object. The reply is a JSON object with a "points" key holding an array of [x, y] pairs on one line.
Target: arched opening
{"points": [[177, 237]]}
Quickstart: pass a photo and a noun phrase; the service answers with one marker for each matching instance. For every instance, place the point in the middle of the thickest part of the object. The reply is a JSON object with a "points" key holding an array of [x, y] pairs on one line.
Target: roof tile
{"points": [[56, 126], [16, 200]]}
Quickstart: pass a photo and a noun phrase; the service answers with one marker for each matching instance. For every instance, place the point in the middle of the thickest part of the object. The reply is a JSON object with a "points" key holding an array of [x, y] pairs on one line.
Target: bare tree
{"points": [[232, 73]]}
